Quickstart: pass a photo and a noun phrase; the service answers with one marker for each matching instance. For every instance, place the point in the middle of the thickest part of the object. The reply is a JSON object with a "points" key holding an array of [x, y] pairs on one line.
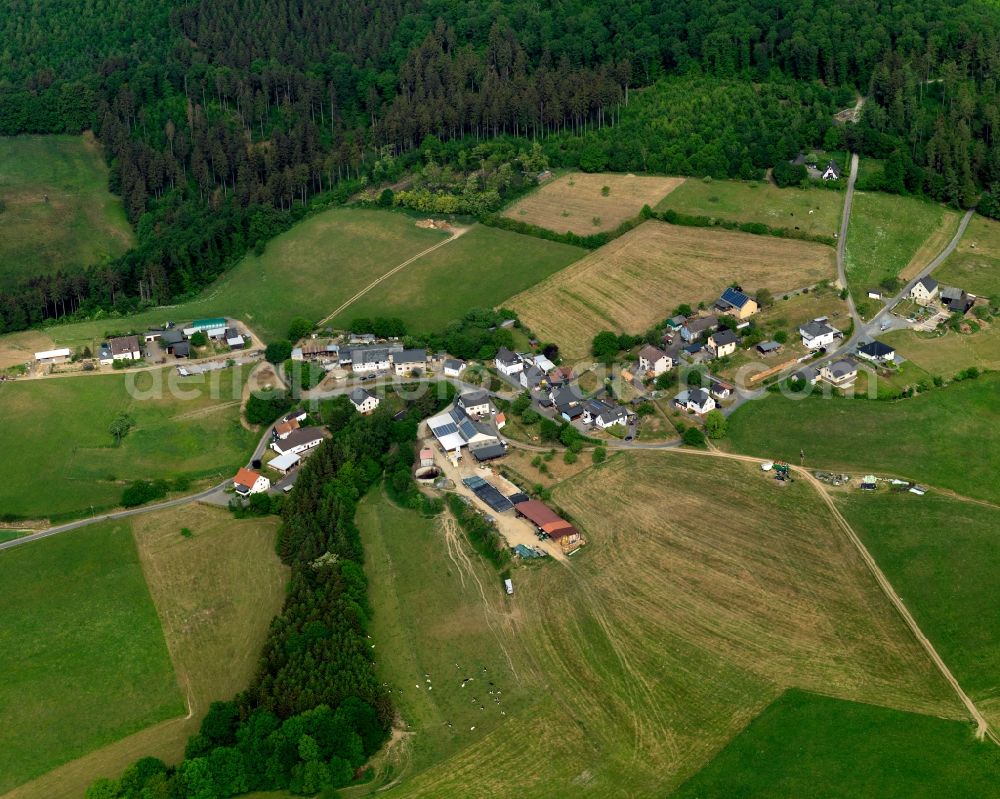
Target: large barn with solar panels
{"points": [[454, 430]]}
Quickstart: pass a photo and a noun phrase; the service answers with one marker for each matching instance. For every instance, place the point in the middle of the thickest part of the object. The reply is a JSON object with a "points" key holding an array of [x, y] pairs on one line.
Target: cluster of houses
{"points": [[362, 355], [951, 299], [702, 337], [291, 442], [170, 338], [843, 372], [177, 341], [552, 386]]}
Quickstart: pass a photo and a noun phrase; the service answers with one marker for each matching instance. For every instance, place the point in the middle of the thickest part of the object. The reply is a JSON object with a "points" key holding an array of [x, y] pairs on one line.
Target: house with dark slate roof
{"points": [[876, 351]]}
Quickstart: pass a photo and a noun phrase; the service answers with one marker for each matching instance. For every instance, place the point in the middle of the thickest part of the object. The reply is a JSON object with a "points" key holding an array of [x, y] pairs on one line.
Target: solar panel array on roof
{"points": [[445, 429], [467, 429]]}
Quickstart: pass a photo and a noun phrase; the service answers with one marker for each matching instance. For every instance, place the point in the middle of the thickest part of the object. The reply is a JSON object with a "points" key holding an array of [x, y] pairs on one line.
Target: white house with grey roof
{"points": [[654, 360], [453, 367], [507, 362], [697, 400], [818, 334], [604, 414], [877, 351], [405, 361], [840, 373], [364, 402], [298, 441], [453, 430], [370, 360], [474, 403], [532, 376], [924, 290]]}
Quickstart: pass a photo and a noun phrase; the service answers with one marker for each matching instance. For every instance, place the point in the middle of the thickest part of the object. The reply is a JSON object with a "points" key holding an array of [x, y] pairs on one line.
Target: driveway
{"points": [[514, 529]]}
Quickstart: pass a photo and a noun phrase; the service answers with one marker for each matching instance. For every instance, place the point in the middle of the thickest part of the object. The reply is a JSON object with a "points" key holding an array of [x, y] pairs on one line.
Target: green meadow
{"points": [[975, 264], [947, 437], [67, 461], [811, 210], [807, 745], [82, 653], [307, 271], [942, 555], [480, 269], [888, 232]]}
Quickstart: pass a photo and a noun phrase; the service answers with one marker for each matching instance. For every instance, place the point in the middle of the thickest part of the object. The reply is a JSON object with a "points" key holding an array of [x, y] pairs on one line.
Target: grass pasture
{"points": [[893, 236], [636, 280], [942, 555], [810, 745], [947, 437], [307, 271], [975, 264], [215, 594], [67, 461], [811, 210], [83, 654], [82, 222], [949, 353], [421, 632], [576, 203], [481, 269], [637, 662]]}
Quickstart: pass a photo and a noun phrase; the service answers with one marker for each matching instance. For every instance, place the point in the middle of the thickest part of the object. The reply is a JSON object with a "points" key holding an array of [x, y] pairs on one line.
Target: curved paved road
{"points": [[121, 514], [867, 330]]}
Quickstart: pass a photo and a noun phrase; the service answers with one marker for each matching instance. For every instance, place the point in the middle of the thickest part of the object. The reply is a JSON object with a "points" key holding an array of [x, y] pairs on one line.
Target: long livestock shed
{"points": [[488, 494]]}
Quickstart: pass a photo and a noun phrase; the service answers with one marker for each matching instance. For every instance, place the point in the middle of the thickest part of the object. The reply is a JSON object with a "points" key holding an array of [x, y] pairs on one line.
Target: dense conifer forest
{"points": [[223, 119]]}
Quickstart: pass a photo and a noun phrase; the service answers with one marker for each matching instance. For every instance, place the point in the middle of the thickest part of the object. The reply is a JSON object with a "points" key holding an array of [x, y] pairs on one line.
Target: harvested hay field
{"points": [[636, 280], [576, 203], [657, 644], [20, 348]]}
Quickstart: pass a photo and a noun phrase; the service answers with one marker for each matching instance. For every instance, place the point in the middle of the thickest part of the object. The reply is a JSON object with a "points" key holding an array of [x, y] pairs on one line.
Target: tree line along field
{"points": [[813, 211], [81, 223], [975, 264], [640, 660], [946, 437], [122, 635], [67, 461], [811, 745], [637, 280], [322, 262], [893, 236], [480, 269], [583, 203], [941, 554]]}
